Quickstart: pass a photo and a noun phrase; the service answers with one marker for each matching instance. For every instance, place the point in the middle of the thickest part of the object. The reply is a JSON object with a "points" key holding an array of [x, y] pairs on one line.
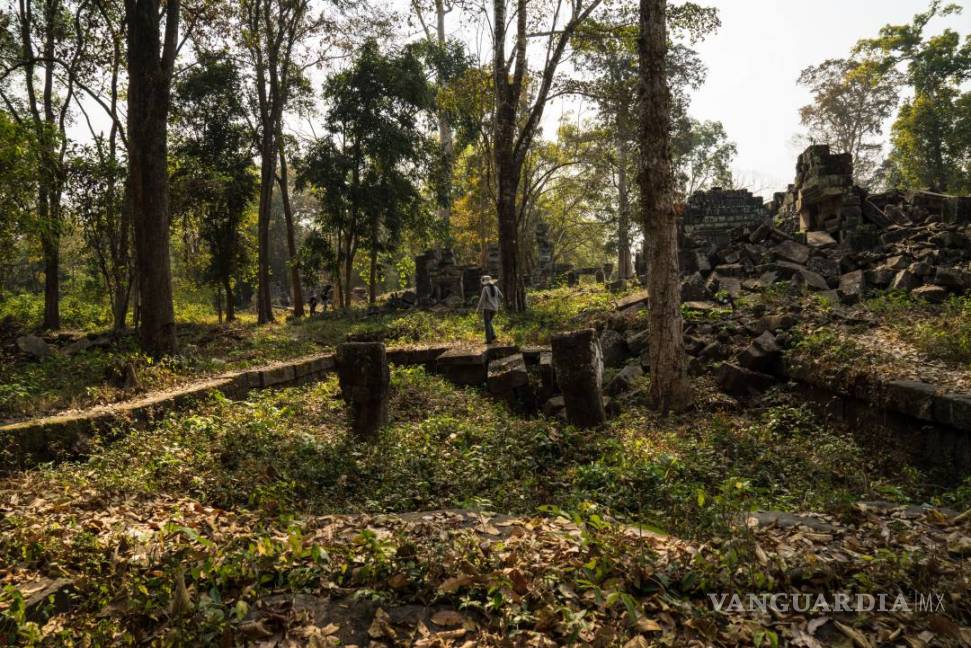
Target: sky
{"points": [[755, 58]]}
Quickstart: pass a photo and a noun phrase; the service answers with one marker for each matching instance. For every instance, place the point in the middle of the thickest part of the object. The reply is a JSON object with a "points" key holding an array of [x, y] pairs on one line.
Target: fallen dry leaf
{"points": [[455, 583], [637, 642], [447, 618], [858, 638], [647, 625]]}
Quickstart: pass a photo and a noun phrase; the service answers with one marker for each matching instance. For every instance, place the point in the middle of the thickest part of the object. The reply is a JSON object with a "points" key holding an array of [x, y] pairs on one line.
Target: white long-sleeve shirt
{"points": [[490, 299]]}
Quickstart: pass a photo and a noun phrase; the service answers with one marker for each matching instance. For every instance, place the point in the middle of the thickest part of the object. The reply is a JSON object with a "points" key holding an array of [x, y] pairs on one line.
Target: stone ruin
{"points": [[823, 197], [440, 280], [564, 380], [826, 234], [578, 365], [713, 215], [362, 369]]}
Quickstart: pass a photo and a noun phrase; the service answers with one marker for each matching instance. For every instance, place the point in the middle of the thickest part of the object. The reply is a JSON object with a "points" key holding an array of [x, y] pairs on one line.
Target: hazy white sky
{"points": [[754, 59]]}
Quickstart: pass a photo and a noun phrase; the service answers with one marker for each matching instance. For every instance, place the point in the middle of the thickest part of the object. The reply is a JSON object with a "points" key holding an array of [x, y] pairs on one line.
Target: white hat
{"points": [[485, 279]]}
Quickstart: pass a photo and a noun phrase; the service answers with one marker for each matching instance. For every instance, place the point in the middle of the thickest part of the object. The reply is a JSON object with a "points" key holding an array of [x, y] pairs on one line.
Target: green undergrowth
{"points": [[225, 501], [87, 378], [939, 331], [289, 451]]}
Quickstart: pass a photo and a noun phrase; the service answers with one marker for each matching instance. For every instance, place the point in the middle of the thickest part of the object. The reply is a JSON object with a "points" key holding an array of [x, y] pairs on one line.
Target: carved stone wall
{"points": [[713, 215]]}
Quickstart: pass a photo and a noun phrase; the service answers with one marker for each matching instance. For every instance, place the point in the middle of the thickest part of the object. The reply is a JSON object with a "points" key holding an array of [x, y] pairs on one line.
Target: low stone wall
{"points": [[61, 436], [931, 421], [29, 442], [712, 215]]}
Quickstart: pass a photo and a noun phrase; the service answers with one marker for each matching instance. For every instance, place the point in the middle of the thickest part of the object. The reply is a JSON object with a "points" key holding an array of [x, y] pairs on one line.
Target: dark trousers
{"points": [[490, 332]]}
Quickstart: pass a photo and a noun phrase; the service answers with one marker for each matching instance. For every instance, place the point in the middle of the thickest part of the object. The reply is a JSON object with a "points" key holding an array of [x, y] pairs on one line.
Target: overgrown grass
{"points": [[941, 332], [31, 388], [289, 451], [85, 307], [827, 345], [220, 492], [78, 311]]}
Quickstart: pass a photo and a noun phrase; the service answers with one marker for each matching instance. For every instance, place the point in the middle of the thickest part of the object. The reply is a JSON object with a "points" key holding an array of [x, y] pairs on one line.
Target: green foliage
{"points": [[364, 170], [891, 302], [931, 142], [930, 136], [291, 451], [81, 308], [607, 52], [450, 61], [939, 331], [208, 348], [958, 498], [852, 100], [946, 335], [214, 179], [825, 345], [703, 155], [18, 177]]}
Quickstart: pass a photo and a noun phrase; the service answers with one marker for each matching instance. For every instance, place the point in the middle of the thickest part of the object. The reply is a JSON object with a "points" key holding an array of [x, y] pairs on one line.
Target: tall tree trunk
{"points": [[136, 306], [51, 249], [444, 131], [483, 218], [230, 299], [121, 246], [149, 85], [508, 164], [268, 156], [348, 273], [623, 215], [51, 239], [670, 388], [119, 306], [512, 288], [123, 269], [513, 137], [295, 284], [43, 119], [339, 286], [938, 167], [373, 277]]}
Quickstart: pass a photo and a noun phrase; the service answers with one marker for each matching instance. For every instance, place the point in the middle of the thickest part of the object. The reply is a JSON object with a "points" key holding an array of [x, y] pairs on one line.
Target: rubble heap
{"points": [[930, 258], [829, 235]]}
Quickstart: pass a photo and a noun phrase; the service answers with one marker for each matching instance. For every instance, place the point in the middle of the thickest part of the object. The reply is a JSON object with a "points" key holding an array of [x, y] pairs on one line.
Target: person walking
{"points": [[489, 303]]}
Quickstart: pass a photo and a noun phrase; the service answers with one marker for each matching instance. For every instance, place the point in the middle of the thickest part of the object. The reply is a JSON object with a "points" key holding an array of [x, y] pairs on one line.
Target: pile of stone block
{"points": [[932, 260], [827, 235]]}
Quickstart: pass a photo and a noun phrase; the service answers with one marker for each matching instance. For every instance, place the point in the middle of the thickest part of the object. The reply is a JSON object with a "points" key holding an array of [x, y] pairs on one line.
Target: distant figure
{"points": [[326, 297], [312, 301], [489, 303]]}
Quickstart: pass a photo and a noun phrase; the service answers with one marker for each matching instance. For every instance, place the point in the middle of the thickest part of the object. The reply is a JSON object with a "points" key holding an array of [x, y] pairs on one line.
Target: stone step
{"points": [[507, 374], [467, 366]]}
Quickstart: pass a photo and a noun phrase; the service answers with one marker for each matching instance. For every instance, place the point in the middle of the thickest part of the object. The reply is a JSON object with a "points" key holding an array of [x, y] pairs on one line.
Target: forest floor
{"points": [[896, 335], [263, 522]]}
